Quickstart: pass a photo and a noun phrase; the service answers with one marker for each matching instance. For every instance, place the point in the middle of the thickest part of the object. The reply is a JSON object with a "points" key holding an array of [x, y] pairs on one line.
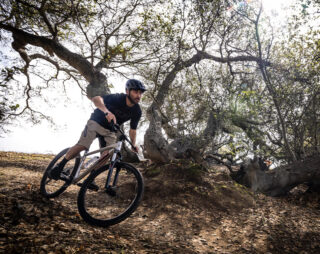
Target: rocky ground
{"points": [[183, 211]]}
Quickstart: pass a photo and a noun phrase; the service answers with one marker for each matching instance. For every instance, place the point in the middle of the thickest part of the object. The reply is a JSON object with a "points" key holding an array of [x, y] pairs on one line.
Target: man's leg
{"points": [[74, 151], [109, 138], [87, 137]]}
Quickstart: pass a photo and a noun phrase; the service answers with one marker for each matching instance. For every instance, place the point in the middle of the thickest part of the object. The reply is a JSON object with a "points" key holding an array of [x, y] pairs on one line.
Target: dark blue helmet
{"points": [[135, 85]]}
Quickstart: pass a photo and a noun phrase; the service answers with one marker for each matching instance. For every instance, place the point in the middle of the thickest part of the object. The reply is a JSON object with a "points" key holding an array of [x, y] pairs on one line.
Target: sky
{"points": [[71, 116]]}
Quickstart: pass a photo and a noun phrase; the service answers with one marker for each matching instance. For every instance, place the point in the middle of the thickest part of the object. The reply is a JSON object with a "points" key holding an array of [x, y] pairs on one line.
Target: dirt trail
{"points": [[182, 212]]}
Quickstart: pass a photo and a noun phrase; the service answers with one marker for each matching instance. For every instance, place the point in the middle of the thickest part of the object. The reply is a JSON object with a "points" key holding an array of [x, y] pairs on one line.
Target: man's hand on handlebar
{"points": [[135, 149], [115, 127], [111, 117]]}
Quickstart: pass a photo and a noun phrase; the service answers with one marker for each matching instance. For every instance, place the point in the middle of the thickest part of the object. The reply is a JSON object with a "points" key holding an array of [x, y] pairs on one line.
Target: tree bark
{"points": [[193, 146], [279, 181], [156, 146]]}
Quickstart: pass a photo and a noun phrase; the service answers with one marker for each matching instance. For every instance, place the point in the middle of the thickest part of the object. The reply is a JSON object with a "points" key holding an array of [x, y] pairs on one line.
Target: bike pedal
{"points": [[110, 191], [64, 175]]}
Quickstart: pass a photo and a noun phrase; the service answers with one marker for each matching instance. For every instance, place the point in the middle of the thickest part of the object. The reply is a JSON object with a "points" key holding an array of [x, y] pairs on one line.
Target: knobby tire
{"points": [[100, 208], [59, 185]]}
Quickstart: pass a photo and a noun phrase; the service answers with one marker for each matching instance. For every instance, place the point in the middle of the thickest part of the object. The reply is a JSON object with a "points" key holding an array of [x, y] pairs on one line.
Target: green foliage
{"points": [[297, 82], [30, 14], [229, 104], [7, 106], [243, 107]]}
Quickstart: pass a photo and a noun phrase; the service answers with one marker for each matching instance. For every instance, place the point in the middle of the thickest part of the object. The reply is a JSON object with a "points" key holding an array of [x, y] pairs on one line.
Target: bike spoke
{"points": [[52, 188], [109, 206]]}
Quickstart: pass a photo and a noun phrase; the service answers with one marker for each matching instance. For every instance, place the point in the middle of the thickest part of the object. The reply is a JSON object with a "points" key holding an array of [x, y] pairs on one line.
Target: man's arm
{"points": [[133, 135], [99, 103]]}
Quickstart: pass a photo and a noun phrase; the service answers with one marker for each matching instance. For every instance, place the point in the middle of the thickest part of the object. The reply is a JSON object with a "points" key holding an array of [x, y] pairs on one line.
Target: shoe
{"points": [[91, 186], [65, 175], [55, 172]]}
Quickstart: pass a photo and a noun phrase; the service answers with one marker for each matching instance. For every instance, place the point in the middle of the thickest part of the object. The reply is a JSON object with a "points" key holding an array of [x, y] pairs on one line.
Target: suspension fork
{"points": [[113, 163]]}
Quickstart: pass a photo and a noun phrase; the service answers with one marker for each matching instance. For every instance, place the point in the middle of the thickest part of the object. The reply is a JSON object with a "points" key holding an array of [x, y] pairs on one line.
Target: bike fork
{"points": [[110, 187]]}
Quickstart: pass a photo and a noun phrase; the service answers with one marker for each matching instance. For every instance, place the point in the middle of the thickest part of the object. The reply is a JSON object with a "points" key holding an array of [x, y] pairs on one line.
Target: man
{"points": [[118, 108]]}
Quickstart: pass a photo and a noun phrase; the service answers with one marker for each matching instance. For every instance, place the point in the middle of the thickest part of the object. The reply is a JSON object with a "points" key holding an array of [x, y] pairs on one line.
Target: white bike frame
{"points": [[115, 148]]}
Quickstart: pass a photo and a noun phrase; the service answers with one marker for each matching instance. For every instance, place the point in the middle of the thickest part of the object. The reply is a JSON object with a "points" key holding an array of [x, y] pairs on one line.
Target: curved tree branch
{"points": [[53, 47]]}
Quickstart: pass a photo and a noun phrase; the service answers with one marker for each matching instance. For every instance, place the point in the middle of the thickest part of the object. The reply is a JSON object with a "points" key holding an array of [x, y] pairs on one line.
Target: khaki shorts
{"points": [[90, 133]]}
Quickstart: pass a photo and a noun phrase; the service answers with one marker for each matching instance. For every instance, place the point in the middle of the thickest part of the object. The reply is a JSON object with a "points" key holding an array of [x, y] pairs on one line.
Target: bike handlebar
{"points": [[115, 127]]}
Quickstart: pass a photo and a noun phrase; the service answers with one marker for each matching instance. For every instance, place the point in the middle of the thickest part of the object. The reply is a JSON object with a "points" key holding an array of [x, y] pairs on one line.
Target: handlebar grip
{"points": [[114, 127]]}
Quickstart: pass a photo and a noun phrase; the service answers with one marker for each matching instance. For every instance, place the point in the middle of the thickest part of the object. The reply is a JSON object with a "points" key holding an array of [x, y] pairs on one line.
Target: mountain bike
{"points": [[111, 192]]}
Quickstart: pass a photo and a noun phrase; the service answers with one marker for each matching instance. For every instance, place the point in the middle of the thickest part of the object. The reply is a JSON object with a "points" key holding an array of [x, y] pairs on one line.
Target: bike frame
{"points": [[114, 150]]}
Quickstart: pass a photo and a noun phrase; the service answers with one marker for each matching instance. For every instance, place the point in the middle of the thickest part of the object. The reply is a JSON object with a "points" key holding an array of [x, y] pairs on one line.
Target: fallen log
{"points": [[279, 181]]}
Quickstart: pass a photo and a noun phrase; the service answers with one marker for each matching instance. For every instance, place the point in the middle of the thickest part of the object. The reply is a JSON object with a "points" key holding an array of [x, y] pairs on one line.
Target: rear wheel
{"points": [[104, 207], [51, 188]]}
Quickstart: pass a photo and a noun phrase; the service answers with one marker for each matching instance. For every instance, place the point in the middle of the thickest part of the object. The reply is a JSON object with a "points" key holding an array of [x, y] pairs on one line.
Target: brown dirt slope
{"points": [[183, 211]]}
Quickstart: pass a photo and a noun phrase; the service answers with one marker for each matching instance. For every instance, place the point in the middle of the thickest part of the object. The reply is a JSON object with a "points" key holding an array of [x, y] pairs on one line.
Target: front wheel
{"points": [[103, 207], [51, 188]]}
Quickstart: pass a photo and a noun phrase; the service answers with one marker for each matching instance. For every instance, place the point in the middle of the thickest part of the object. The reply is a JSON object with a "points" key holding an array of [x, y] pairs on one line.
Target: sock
{"points": [[62, 163]]}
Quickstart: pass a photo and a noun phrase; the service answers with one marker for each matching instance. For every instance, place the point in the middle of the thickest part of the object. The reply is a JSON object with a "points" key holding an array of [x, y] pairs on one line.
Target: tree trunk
{"points": [[128, 155], [280, 181], [155, 144]]}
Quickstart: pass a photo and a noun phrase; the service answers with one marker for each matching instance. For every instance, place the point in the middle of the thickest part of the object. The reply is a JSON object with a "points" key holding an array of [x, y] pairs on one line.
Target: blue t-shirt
{"points": [[116, 103]]}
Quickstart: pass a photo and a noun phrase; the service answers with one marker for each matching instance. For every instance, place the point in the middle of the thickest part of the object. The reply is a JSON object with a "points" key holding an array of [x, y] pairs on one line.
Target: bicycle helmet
{"points": [[135, 85]]}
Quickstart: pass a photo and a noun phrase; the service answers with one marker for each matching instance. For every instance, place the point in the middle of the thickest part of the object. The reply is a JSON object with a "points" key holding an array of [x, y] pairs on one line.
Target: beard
{"points": [[132, 100]]}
